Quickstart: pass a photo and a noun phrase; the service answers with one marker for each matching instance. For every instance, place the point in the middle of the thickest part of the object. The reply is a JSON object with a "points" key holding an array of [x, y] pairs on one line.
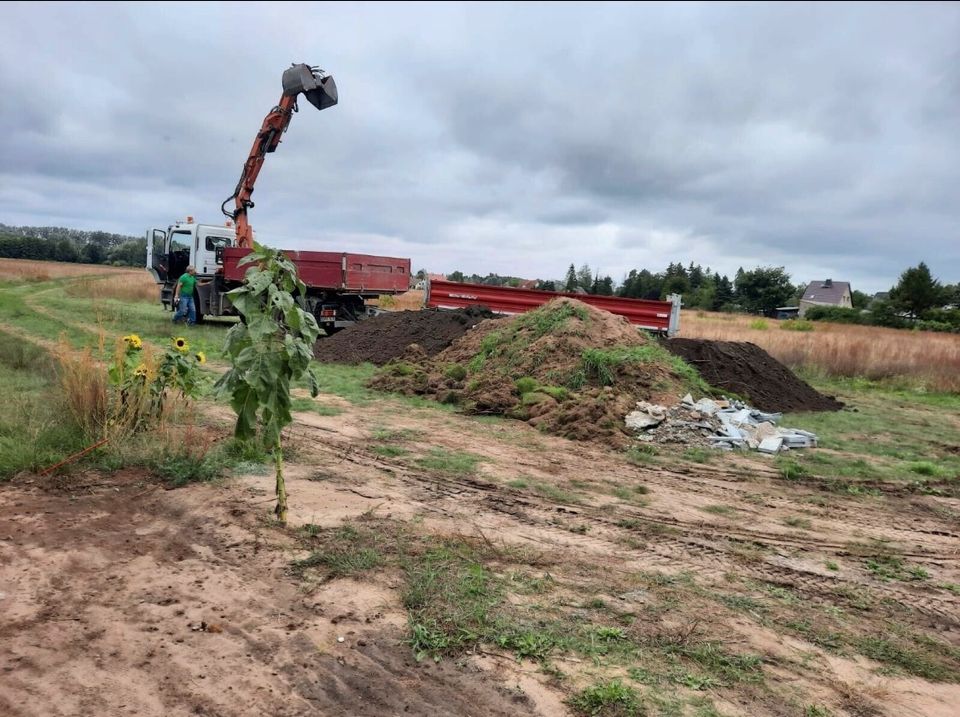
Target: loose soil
{"points": [[381, 338], [119, 597], [536, 367], [746, 369]]}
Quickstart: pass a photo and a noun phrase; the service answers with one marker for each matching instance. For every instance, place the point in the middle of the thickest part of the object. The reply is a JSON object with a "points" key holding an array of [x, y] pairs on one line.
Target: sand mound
{"points": [[385, 337], [567, 367], [748, 370]]}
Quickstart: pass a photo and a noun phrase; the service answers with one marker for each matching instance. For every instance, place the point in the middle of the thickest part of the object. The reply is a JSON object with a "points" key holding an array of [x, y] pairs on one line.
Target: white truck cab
{"points": [[183, 244]]}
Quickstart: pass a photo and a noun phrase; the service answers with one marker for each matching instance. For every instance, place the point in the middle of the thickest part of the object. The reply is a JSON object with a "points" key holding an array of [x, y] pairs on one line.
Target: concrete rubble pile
{"points": [[723, 424]]}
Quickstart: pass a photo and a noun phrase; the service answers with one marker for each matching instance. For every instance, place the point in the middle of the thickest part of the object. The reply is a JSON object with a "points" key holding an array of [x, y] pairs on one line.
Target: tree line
{"points": [[917, 299], [71, 245]]}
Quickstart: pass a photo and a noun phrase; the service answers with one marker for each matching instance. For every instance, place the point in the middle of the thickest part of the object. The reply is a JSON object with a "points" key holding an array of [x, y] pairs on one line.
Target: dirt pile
{"points": [[385, 337], [566, 367], [749, 371]]}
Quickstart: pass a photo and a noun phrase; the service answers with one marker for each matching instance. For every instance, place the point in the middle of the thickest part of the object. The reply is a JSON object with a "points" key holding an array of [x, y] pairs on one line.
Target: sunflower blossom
{"points": [[140, 371], [133, 341], [181, 345], [201, 357]]}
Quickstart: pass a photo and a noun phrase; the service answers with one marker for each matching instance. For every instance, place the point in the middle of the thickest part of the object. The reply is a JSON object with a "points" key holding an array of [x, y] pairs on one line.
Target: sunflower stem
{"points": [[281, 510]]}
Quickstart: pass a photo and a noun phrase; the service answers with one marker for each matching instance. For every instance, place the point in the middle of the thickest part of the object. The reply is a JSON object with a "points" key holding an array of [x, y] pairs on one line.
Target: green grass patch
{"points": [[450, 462], [313, 406], [925, 659], [791, 469], [719, 509], [348, 382], [641, 454], [699, 455], [602, 365], [888, 567], [552, 492], [759, 325], [525, 385], [36, 432], [894, 435], [345, 551], [797, 325], [390, 451], [455, 372], [924, 468], [608, 699]]}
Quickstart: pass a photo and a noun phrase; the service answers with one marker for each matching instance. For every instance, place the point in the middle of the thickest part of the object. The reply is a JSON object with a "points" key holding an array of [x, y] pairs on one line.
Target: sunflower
{"points": [[140, 371], [201, 358], [133, 341], [181, 345]]}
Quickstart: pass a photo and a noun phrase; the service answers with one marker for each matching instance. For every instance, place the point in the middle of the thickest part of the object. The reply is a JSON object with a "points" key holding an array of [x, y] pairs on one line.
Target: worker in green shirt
{"points": [[184, 291]]}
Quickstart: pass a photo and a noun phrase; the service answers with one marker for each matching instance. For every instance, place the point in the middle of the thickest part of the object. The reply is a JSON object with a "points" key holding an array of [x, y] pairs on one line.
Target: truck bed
{"points": [[338, 271], [658, 316]]}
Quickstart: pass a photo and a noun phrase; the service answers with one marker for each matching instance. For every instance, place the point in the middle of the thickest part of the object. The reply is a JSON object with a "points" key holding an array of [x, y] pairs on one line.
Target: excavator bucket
{"points": [[318, 87]]}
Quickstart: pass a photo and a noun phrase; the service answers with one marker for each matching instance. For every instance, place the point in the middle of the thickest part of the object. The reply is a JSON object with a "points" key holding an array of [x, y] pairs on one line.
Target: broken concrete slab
{"points": [[640, 420], [770, 445]]}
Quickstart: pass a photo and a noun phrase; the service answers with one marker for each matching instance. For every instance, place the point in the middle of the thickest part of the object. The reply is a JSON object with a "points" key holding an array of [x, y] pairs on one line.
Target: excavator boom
{"points": [[321, 91]]}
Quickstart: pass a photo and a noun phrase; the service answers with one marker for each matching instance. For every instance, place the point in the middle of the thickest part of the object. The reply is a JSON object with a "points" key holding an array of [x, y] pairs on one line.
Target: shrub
{"points": [[759, 325], [797, 325], [836, 314]]}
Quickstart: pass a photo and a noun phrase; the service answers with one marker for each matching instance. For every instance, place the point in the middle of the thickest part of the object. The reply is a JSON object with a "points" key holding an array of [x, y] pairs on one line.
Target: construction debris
{"points": [[723, 424]]}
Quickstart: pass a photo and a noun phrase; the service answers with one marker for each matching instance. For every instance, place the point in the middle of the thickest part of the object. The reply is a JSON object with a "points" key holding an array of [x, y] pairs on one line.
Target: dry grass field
{"points": [[29, 270], [91, 281], [917, 358]]}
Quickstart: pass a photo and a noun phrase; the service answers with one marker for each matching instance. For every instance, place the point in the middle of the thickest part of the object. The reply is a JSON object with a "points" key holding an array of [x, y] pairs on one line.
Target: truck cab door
{"points": [[157, 255], [210, 252]]}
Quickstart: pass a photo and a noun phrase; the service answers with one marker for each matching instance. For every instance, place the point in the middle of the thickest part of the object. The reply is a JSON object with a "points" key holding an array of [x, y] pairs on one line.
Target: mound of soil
{"points": [[746, 369], [385, 337], [568, 368]]}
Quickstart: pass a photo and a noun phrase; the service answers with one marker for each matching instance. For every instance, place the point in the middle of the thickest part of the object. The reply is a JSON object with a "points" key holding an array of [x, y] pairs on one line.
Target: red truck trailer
{"points": [[658, 316]]}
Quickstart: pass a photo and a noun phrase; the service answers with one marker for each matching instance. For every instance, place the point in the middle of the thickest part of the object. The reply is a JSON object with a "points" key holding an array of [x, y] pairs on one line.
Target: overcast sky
{"points": [[505, 138]]}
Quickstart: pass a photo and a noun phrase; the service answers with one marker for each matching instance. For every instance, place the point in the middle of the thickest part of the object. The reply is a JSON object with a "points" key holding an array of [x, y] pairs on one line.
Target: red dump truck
{"points": [[658, 316], [338, 283]]}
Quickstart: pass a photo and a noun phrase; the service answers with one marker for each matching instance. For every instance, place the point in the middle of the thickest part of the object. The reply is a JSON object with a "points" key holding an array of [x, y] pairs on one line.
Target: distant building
{"points": [[826, 293]]}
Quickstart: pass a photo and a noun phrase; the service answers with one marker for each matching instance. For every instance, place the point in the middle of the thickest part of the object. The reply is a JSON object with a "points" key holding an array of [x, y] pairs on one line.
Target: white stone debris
{"points": [[723, 424]]}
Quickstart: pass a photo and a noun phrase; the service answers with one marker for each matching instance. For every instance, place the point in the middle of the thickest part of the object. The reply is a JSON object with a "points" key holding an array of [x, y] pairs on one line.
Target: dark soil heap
{"points": [[566, 367], [385, 337], [748, 370]]}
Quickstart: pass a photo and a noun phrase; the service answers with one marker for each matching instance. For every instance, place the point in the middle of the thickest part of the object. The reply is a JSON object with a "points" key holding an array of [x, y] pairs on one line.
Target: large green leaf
{"points": [[244, 404]]}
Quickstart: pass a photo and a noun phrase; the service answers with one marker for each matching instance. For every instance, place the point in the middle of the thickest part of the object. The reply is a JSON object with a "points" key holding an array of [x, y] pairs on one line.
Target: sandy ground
{"points": [[120, 597]]}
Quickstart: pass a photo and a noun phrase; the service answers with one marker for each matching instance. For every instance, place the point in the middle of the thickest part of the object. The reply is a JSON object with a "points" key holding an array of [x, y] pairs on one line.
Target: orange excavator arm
{"points": [[321, 91]]}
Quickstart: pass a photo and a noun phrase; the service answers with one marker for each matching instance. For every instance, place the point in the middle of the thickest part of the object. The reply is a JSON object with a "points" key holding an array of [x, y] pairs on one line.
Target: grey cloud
{"points": [[817, 136]]}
